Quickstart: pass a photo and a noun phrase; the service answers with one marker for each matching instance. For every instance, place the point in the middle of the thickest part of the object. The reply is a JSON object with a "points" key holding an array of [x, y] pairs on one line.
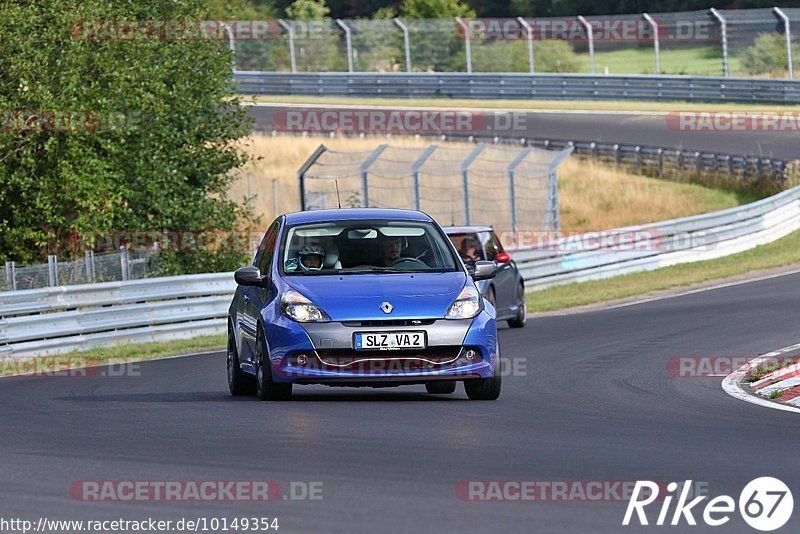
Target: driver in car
{"points": [[390, 249]]}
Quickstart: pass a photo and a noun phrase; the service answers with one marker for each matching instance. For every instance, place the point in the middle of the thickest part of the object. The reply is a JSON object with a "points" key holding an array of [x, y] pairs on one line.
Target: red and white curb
{"points": [[785, 379]]}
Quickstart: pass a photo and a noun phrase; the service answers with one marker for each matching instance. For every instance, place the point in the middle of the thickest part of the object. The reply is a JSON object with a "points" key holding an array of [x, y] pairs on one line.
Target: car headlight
{"points": [[466, 306], [295, 305]]}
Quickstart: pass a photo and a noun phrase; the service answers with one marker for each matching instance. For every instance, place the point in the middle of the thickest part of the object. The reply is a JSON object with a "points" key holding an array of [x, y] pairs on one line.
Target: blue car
{"points": [[361, 297]]}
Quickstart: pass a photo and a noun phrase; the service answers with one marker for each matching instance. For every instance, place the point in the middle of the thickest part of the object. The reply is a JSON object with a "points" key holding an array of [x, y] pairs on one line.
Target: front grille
{"points": [[394, 359], [389, 322]]}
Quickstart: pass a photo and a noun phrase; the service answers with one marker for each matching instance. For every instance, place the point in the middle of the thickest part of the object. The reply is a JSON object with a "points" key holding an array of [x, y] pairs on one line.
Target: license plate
{"points": [[389, 340]]}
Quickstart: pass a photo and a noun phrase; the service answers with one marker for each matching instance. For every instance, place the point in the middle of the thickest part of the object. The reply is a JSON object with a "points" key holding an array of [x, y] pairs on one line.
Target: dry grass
{"points": [[591, 196]]}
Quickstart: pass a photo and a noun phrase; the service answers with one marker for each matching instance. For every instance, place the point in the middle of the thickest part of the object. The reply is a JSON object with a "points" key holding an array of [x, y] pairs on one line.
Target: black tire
{"points": [[266, 389], [239, 382], [440, 387], [484, 388], [522, 309]]}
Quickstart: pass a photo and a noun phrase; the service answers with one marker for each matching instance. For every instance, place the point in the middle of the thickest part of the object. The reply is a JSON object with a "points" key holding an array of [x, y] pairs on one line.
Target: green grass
{"points": [[779, 253], [702, 61], [118, 354], [555, 105]]}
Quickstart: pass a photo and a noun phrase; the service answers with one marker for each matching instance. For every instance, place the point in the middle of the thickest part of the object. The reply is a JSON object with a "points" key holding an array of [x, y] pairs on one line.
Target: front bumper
{"points": [[323, 352]]}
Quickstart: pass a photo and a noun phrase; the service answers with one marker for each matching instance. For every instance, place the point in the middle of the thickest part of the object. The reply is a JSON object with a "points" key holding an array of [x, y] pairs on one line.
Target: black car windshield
{"points": [[353, 247]]}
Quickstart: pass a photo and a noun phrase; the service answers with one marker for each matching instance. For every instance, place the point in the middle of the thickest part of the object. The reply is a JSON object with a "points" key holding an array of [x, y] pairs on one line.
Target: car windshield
{"points": [[352, 247]]}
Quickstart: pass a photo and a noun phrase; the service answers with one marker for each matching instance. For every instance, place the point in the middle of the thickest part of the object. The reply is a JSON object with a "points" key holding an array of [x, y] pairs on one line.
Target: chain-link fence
{"points": [[751, 42], [498, 185], [92, 268]]}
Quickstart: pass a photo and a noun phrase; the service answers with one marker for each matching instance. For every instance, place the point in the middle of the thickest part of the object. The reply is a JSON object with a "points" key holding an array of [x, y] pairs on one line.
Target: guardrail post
{"points": [[467, 49], [124, 264], [364, 171], [465, 178], [415, 168], [637, 151], [698, 163], [529, 38], [512, 194], [52, 270], [617, 156], [301, 173], [11, 275], [787, 27], [656, 47], [406, 42], [590, 37], [88, 258], [349, 40], [660, 161], [290, 30], [723, 31]]}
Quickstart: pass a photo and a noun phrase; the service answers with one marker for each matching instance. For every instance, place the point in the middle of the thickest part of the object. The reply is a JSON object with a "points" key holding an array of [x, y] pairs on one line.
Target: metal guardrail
{"points": [[521, 86], [69, 318]]}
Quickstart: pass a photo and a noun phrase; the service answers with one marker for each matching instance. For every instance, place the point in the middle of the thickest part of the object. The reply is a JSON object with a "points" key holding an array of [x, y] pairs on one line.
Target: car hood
{"points": [[358, 297]]}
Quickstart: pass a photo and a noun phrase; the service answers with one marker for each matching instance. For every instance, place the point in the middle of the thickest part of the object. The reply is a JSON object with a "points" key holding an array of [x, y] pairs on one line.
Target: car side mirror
{"points": [[503, 257], [484, 270], [249, 276]]}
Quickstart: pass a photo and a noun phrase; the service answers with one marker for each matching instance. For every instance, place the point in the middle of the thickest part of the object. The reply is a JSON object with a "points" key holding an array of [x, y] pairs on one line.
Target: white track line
{"points": [[732, 383]]}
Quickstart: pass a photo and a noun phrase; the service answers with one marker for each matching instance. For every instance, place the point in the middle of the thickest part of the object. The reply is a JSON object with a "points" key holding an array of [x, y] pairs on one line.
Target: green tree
{"points": [[435, 9], [159, 147], [308, 10], [767, 54]]}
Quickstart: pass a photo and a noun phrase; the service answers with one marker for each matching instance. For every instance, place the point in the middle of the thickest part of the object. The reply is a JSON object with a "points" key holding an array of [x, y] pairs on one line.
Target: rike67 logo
{"points": [[765, 504]]}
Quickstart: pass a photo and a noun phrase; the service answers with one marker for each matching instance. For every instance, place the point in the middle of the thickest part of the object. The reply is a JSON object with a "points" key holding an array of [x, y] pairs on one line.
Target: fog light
{"points": [[471, 355], [302, 359]]}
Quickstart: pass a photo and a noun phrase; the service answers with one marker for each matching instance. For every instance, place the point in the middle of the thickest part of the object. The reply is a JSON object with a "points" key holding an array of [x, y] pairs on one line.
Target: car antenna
{"points": [[338, 199]]}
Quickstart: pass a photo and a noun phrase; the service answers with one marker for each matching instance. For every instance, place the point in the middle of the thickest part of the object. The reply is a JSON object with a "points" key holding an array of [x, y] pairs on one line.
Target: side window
{"points": [[266, 251], [493, 246]]}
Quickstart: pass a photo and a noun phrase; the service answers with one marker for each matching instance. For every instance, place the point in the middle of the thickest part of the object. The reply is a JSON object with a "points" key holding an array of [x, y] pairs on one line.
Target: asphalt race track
{"points": [[619, 127], [595, 402]]}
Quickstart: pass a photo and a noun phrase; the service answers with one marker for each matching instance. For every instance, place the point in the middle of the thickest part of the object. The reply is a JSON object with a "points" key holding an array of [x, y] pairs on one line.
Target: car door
{"points": [[504, 281], [254, 298]]}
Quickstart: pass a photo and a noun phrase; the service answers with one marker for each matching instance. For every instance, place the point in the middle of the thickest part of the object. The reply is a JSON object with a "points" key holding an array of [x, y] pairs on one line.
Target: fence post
{"points": [[466, 43], [512, 194], [290, 30], [52, 270], [590, 37], [231, 46], [723, 31], [465, 178], [364, 171], [349, 40], [124, 264], [787, 27], [415, 167], [406, 42], [301, 173], [11, 275], [656, 46], [88, 258], [529, 36]]}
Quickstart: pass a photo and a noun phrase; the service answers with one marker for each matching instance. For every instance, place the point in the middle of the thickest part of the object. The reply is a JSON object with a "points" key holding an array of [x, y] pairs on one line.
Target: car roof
{"points": [[348, 214], [466, 229]]}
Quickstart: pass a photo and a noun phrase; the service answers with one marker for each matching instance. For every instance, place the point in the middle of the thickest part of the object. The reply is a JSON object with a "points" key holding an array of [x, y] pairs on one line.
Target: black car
{"points": [[506, 291]]}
